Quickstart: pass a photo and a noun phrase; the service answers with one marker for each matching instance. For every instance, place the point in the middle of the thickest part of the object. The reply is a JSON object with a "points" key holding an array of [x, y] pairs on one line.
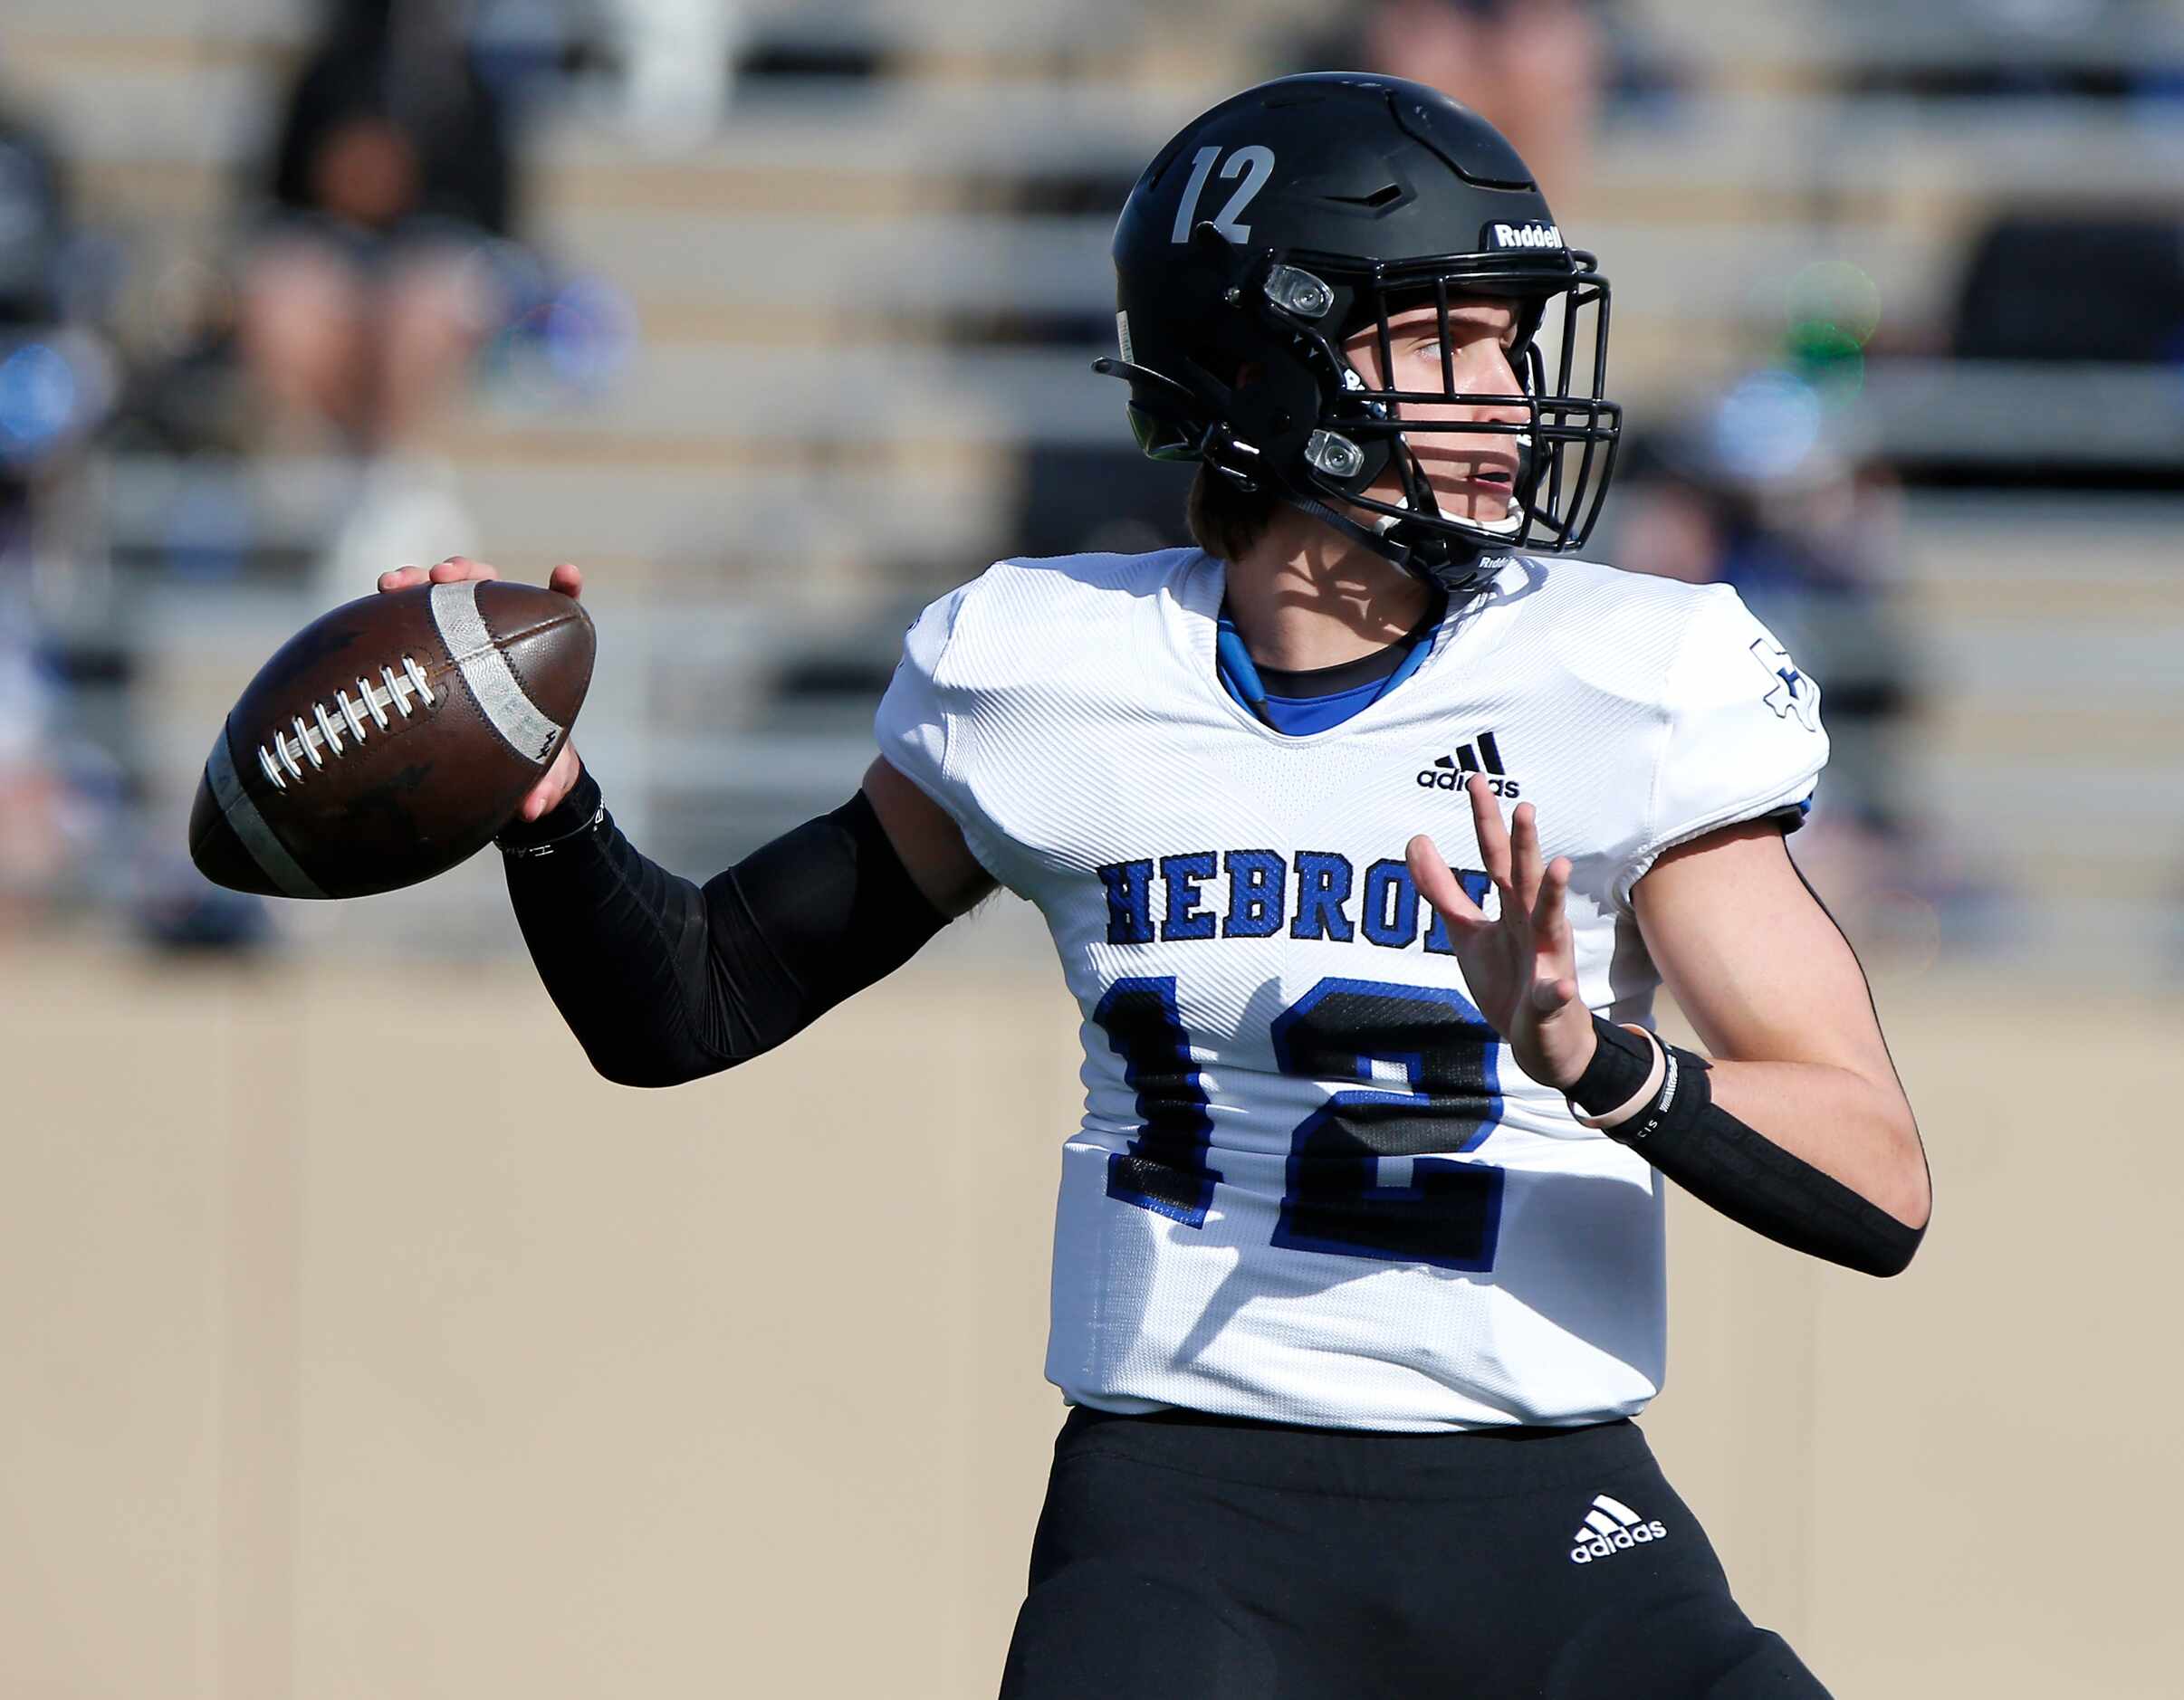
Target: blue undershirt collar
{"points": [[1297, 716]]}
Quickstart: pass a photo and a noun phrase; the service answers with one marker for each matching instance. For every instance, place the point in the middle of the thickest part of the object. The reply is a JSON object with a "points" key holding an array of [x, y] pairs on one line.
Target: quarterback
{"points": [[1366, 830]]}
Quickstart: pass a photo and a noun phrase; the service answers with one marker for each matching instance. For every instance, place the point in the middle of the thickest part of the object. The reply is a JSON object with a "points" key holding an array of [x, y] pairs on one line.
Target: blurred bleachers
{"points": [[874, 292]]}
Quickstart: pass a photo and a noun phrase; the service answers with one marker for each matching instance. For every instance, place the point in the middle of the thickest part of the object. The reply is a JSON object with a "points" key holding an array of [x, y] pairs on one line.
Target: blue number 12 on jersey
{"points": [[1426, 1066]]}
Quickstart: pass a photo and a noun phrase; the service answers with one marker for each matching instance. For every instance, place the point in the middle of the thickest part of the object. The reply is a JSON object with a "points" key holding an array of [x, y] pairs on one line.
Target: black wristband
{"points": [[1620, 1065], [575, 812], [1685, 1097]]}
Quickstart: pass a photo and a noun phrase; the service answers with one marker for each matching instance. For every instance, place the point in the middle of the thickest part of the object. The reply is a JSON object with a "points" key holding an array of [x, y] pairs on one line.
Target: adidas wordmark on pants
{"points": [[1611, 1527]]}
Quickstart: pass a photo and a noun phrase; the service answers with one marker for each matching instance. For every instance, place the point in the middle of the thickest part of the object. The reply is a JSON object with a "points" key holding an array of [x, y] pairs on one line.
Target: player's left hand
{"points": [[1522, 965]]}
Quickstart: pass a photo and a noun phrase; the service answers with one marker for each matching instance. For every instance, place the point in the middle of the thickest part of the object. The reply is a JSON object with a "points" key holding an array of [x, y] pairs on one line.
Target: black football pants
{"points": [[1183, 1557]]}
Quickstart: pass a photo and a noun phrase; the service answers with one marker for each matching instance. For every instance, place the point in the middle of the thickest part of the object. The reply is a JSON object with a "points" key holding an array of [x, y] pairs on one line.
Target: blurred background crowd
{"points": [[778, 317]]}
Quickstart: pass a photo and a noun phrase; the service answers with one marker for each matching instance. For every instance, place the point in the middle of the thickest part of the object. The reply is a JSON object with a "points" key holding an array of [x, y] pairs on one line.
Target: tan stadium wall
{"points": [[354, 1341]]}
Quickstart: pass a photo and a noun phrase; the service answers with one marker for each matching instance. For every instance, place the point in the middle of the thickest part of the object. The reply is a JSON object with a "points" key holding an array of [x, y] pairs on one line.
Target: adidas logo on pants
{"points": [[1611, 1527]]}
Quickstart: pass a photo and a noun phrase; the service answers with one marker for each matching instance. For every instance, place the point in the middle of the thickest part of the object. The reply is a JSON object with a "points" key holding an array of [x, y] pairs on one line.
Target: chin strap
{"points": [[1453, 562], [1455, 567]]}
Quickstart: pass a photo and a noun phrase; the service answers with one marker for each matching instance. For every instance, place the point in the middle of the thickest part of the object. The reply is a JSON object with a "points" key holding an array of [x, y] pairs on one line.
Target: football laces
{"points": [[318, 732]]}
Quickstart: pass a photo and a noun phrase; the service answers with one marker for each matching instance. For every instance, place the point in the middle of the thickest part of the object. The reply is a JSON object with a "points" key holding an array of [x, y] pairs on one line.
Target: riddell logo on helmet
{"points": [[1533, 236]]}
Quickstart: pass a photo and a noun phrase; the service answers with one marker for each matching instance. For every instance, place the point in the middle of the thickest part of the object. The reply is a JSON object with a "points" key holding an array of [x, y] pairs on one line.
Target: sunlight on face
{"points": [[1472, 473]]}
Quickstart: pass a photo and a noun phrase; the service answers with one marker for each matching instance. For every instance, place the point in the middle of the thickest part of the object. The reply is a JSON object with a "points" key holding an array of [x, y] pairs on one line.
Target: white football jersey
{"points": [[1311, 1184]]}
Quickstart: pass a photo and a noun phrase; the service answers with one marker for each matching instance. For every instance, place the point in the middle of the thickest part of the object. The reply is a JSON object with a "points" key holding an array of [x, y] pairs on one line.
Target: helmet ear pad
{"points": [[1275, 406], [1270, 396], [1353, 399]]}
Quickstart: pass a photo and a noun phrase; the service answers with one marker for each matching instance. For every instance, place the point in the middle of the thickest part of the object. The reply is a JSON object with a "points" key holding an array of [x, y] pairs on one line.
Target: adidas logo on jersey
{"points": [[1482, 755], [1611, 1527]]}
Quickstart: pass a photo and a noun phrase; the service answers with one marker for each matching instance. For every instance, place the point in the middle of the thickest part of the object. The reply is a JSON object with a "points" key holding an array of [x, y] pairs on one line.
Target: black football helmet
{"points": [[1299, 211]]}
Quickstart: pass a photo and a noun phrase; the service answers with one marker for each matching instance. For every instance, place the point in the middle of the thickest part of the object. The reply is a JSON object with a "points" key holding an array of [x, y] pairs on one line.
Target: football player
{"points": [[1366, 831]]}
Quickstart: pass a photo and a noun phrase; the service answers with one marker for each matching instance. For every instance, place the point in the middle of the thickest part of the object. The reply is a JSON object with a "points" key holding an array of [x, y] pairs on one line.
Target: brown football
{"points": [[390, 738]]}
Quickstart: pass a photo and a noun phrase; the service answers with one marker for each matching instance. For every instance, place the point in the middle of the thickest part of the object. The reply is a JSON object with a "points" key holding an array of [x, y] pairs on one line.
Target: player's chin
{"points": [[1482, 501]]}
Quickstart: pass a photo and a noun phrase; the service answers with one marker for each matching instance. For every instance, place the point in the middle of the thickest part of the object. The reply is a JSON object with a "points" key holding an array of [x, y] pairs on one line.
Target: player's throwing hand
{"points": [[569, 581], [1522, 965]]}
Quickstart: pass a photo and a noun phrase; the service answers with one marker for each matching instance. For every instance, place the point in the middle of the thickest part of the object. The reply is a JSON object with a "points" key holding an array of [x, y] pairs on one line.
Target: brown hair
{"points": [[1225, 519]]}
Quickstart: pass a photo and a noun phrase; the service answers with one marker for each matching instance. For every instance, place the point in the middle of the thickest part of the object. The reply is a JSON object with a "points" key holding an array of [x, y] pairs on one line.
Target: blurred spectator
{"points": [[31, 841], [1534, 68], [56, 381], [31, 222], [362, 303], [32, 218], [1758, 491]]}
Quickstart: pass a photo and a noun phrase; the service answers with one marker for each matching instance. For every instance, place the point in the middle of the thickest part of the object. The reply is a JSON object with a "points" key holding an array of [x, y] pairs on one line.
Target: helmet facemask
{"points": [[1290, 412], [1565, 441]]}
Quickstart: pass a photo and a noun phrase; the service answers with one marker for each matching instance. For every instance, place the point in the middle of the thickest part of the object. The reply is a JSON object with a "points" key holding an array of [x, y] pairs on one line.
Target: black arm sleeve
{"points": [[663, 982], [1731, 1165]]}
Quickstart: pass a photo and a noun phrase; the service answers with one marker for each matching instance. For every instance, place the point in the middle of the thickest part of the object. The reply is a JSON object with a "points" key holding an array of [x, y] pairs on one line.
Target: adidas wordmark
{"points": [[1611, 1527]]}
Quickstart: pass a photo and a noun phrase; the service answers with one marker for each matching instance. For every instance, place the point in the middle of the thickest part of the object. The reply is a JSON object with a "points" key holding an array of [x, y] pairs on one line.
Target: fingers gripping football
{"points": [[568, 580], [1521, 963]]}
